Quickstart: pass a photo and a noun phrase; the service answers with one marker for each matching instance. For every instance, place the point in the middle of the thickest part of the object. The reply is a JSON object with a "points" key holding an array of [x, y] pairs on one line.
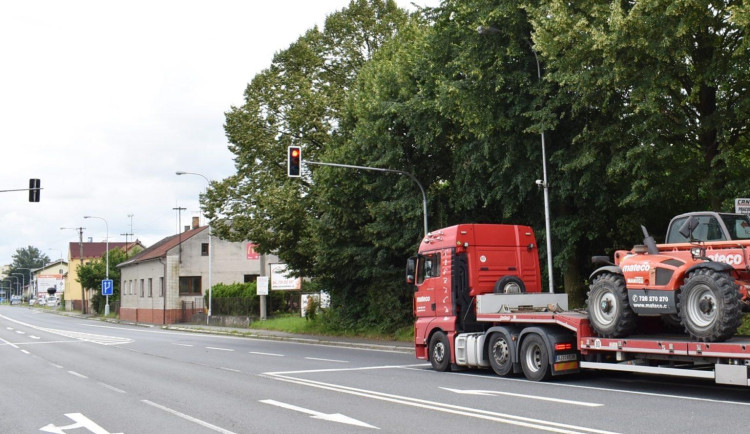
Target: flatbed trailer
{"points": [[566, 344]]}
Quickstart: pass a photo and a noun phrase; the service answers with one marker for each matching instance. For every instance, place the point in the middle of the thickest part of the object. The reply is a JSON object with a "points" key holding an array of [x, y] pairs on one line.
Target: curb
{"points": [[298, 339]]}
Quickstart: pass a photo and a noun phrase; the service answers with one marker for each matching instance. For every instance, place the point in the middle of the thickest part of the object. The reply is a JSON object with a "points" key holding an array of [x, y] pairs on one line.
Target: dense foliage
{"points": [[90, 276], [643, 106], [25, 259]]}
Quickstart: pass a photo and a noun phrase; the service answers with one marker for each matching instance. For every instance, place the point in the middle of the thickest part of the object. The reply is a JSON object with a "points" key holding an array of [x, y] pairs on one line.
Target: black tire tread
{"points": [[730, 317], [628, 320]]}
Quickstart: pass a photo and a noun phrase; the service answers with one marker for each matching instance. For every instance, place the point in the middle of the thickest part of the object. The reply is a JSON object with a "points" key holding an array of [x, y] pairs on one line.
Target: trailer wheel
{"points": [[609, 311], [499, 354], [535, 358], [709, 305], [440, 352], [510, 285]]}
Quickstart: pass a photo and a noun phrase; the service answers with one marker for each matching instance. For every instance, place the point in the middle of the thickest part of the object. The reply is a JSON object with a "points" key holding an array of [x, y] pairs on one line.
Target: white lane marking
{"points": [[88, 337], [229, 369], [266, 354], [80, 421], [609, 390], [184, 345], [326, 360], [20, 332], [25, 352], [56, 365], [219, 349], [112, 388], [9, 343], [188, 418], [34, 337], [519, 395], [335, 417], [505, 418], [77, 374], [9, 328]]}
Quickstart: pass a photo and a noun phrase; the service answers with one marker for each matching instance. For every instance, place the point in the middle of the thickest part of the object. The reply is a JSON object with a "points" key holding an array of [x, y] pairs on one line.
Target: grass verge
{"points": [[296, 324]]}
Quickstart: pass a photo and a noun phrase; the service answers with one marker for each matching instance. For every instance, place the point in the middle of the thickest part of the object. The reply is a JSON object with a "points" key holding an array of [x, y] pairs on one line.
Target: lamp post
{"points": [[210, 249], [106, 273], [11, 284], [482, 30], [30, 277], [23, 282]]}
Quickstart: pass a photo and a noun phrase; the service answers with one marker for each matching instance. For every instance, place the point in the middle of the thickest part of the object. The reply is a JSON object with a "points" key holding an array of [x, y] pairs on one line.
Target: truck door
{"points": [[433, 286]]}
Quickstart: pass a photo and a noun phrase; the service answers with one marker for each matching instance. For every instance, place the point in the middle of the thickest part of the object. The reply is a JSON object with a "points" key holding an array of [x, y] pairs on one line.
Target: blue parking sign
{"points": [[108, 287]]}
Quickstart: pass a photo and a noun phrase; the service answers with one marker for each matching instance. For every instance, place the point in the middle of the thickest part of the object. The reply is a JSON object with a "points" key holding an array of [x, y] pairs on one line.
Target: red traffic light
{"points": [[294, 161]]}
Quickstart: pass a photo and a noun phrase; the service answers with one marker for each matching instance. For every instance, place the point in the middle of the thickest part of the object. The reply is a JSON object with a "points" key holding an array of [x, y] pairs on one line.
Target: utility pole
{"points": [[179, 230], [80, 248], [126, 243]]}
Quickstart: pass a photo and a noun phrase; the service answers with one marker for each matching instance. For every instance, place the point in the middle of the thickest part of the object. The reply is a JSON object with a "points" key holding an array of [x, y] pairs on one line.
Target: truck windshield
{"points": [[737, 225]]}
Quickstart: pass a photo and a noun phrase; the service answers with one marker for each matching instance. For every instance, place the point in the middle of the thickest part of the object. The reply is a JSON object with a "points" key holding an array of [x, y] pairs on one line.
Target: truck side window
{"points": [[709, 229], [429, 266]]}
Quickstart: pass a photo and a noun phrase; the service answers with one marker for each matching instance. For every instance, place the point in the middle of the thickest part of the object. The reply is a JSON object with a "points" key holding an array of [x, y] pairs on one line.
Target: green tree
{"points": [[26, 259], [90, 276]]}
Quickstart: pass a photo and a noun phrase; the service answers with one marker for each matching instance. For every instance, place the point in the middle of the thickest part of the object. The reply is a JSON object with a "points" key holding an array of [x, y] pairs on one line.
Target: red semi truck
{"points": [[478, 304]]}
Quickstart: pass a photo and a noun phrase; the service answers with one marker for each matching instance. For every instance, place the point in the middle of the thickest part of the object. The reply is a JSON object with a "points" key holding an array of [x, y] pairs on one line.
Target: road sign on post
{"points": [[108, 287]]}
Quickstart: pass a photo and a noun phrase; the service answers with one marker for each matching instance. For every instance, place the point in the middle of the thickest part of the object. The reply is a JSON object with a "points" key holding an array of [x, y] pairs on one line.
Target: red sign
{"points": [[252, 255]]}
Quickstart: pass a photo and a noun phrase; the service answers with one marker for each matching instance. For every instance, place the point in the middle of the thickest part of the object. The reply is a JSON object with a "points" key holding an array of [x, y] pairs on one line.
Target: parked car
{"points": [[53, 301], [32, 301], [16, 299]]}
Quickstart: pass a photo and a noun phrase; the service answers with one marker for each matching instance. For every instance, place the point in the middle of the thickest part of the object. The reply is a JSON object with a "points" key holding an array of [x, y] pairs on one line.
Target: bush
{"points": [[241, 299]]}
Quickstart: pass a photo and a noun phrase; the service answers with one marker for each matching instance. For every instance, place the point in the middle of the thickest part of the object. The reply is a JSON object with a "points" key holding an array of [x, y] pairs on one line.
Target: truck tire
{"points": [[709, 305], [609, 310], [535, 358], [499, 352], [440, 352], [510, 285]]}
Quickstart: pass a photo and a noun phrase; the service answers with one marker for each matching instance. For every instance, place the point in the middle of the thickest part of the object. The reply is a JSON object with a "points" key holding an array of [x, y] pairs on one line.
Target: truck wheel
{"points": [[534, 358], [509, 285], [440, 352], [709, 305], [609, 311], [499, 355]]}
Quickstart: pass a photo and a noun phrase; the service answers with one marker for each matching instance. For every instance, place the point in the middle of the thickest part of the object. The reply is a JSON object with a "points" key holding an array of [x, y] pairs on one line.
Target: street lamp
{"points": [[30, 277], [23, 282], [106, 273], [11, 286], [210, 249], [482, 30]]}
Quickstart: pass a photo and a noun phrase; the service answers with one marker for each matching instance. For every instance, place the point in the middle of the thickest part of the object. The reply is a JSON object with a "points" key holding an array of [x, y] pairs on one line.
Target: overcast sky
{"points": [[104, 101]]}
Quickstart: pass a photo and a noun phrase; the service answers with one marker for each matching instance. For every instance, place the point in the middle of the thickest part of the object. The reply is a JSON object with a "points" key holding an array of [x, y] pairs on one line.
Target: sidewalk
{"points": [[339, 341]]}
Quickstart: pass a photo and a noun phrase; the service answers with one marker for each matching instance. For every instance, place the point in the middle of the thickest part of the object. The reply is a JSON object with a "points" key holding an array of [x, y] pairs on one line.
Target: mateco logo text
{"points": [[727, 259], [423, 299], [636, 267]]}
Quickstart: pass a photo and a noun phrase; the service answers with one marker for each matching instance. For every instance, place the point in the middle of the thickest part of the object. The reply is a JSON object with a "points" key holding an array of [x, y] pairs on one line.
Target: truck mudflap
{"points": [[562, 355]]}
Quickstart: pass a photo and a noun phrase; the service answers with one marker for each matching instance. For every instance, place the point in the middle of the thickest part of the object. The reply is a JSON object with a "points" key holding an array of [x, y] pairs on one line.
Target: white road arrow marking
{"points": [[518, 395], [336, 417], [80, 420]]}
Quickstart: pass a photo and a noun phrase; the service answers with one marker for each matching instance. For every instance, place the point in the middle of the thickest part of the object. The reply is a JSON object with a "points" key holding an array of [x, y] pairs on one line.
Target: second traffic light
{"points": [[294, 161], [34, 189]]}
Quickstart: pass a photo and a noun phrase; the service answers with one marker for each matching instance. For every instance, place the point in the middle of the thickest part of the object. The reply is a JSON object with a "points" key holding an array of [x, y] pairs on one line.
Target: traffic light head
{"points": [[294, 161], [34, 189]]}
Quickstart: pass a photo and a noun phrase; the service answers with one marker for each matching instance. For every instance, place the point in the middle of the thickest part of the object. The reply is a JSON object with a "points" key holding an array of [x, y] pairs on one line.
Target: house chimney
{"points": [[196, 222]]}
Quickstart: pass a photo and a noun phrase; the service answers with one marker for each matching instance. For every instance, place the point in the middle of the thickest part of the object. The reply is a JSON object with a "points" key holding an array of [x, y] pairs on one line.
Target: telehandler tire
{"points": [[609, 310], [709, 305]]}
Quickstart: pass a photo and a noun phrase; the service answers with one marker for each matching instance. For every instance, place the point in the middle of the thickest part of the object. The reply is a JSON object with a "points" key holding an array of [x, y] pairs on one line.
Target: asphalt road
{"points": [[62, 374]]}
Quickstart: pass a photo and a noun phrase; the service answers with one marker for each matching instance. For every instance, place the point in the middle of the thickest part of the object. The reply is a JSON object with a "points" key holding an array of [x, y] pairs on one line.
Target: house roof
{"points": [[160, 249], [97, 249]]}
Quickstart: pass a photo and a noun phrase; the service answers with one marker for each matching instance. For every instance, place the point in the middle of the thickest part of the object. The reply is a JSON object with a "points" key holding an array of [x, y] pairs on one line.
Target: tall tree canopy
{"points": [[26, 259], [643, 105]]}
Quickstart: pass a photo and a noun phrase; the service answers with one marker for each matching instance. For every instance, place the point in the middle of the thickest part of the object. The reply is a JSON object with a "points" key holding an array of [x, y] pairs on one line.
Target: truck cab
{"points": [[454, 265]]}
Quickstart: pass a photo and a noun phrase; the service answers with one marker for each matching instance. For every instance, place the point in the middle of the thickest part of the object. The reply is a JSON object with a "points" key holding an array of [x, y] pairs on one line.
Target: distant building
{"points": [[92, 251], [51, 276], [165, 283]]}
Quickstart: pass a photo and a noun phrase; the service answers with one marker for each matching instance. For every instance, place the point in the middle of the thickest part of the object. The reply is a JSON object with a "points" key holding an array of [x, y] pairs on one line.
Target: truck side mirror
{"points": [[411, 266], [687, 228]]}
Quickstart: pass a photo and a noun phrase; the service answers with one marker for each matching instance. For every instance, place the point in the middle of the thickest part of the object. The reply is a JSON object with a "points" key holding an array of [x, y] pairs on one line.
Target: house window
{"points": [[250, 278], [150, 287], [190, 285], [204, 249], [161, 287], [141, 287]]}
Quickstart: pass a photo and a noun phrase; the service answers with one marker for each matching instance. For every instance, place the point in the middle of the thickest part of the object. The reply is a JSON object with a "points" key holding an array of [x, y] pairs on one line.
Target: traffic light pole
{"points": [[378, 169]]}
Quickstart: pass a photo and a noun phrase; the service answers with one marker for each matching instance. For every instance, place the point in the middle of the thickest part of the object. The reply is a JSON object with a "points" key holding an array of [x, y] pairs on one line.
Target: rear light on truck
{"points": [[563, 347]]}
